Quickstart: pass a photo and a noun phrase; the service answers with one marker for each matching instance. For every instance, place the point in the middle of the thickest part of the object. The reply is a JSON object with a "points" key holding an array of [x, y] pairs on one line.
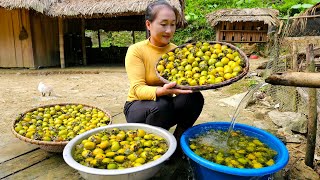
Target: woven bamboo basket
{"points": [[50, 146], [212, 86]]}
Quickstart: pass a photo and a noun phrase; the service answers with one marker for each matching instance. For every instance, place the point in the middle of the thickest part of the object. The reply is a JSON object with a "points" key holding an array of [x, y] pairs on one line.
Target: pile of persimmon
{"points": [[59, 123], [201, 63], [119, 149]]}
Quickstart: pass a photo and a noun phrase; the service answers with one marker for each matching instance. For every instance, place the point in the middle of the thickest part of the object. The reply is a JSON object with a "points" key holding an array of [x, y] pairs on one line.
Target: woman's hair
{"points": [[154, 7]]}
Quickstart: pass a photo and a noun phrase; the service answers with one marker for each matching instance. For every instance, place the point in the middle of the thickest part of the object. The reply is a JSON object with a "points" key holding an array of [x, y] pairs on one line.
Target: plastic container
{"points": [[205, 169], [145, 171]]}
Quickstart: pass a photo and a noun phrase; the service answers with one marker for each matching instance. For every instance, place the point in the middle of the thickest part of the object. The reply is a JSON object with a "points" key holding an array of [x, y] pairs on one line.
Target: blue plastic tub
{"points": [[204, 169]]}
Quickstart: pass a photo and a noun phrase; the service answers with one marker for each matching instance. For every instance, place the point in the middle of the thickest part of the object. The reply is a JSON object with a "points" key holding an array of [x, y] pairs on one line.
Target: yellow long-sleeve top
{"points": [[140, 62]]}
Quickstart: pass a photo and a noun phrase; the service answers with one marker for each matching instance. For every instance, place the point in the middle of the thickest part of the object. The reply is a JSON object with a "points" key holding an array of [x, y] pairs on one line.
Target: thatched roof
{"points": [[268, 16], [87, 8], [306, 26], [106, 8], [37, 5]]}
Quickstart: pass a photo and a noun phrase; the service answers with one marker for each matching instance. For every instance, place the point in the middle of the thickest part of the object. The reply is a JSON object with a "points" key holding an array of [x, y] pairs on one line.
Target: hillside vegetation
{"points": [[198, 28]]}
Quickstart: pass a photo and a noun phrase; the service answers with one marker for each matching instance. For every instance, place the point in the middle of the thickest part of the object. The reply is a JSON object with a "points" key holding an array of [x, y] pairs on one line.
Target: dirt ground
{"points": [[103, 87]]}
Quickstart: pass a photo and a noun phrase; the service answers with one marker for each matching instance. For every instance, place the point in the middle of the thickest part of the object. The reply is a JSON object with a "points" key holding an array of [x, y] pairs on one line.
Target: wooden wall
{"points": [[242, 32], [39, 49], [13, 51], [45, 40]]}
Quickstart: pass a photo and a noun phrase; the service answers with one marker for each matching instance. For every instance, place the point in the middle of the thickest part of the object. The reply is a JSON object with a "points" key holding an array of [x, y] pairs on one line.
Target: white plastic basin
{"points": [[145, 171]]}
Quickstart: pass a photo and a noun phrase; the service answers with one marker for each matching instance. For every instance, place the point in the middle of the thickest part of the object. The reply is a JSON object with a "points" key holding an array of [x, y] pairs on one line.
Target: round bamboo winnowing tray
{"points": [[50, 146], [245, 70]]}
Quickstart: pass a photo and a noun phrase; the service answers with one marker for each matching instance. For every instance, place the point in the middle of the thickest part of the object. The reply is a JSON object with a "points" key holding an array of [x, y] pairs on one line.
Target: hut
{"points": [[249, 25], [305, 24], [43, 33], [302, 31]]}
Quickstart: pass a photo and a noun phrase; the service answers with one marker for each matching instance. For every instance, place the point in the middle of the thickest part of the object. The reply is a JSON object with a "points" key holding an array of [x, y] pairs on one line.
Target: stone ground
{"points": [[106, 88]]}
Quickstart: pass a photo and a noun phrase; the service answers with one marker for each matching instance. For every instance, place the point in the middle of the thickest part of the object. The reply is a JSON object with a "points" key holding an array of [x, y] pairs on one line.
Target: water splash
{"points": [[243, 103]]}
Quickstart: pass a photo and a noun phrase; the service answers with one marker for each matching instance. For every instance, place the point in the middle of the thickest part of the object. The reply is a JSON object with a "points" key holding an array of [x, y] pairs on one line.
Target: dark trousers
{"points": [[182, 110]]}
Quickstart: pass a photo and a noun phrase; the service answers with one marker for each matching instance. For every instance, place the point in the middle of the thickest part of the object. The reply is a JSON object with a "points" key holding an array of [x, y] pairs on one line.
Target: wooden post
{"points": [[83, 39], [277, 48], [99, 40], [61, 42], [295, 68], [295, 101], [133, 38], [294, 56], [217, 35], [309, 57], [312, 118]]}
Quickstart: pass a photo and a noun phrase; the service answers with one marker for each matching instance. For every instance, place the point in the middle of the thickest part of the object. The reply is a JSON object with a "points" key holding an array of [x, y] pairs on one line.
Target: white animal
{"points": [[44, 89]]}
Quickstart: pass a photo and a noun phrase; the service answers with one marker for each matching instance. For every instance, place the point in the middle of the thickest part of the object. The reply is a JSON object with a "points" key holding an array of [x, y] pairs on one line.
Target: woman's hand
{"points": [[168, 89]]}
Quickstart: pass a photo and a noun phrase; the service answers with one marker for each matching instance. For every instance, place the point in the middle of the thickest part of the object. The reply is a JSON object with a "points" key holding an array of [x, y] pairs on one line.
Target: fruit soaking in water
{"points": [[240, 151]]}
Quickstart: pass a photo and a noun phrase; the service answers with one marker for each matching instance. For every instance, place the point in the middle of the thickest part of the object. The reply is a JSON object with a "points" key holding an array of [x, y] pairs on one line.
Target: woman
{"points": [[149, 100]]}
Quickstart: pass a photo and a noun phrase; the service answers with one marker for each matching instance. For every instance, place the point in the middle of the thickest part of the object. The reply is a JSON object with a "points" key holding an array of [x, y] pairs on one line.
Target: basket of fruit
{"points": [[203, 65], [53, 126], [120, 151]]}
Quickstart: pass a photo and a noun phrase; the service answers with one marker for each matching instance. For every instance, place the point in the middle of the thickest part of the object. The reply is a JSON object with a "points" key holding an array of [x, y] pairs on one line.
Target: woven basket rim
{"points": [[50, 143], [210, 86]]}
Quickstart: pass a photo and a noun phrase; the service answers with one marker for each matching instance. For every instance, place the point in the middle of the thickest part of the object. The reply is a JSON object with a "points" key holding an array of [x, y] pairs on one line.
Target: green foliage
{"points": [[198, 28], [292, 7]]}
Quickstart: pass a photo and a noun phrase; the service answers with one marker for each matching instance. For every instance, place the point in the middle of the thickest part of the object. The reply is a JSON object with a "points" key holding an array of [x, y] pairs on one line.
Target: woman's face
{"points": [[162, 27]]}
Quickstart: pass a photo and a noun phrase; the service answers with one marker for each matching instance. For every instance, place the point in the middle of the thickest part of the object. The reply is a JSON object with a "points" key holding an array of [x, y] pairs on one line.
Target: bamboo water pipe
{"points": [[298, 79]]}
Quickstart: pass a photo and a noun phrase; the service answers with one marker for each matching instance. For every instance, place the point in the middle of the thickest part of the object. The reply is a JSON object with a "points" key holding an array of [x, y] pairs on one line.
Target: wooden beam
{"points": [[83, 41], [61, 43], [51, 166], [312, 115], [311, 39], [297, 17], [133, 37], [218, 35], [15, 148], [99, 39], [23, 162], [299, 79]]}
